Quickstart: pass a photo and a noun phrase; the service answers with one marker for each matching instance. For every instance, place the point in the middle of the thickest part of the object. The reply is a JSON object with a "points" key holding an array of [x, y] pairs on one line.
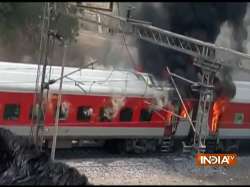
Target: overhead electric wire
{"points": [[132, 61], [124, 38]]}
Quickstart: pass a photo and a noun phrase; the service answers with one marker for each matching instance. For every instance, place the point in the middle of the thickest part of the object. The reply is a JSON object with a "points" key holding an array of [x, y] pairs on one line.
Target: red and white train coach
{"points": [[125, 109], [97, 104]]}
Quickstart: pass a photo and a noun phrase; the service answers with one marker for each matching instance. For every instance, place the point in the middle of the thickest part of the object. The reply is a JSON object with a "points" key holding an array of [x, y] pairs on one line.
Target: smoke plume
{"points": [[199, 20], [117, 103]]}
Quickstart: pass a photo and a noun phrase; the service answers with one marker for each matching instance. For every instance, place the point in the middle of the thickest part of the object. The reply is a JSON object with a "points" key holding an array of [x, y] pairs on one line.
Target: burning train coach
{"points": [[129, 111], [228, 119]]}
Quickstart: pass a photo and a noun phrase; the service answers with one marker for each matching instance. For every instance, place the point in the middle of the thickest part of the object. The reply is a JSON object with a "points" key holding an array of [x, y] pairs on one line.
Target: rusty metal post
{"points": [[58, 106]]}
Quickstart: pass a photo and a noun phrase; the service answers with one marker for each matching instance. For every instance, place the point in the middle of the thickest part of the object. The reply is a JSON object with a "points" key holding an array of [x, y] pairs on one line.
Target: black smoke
{"points": [[198, 20]]}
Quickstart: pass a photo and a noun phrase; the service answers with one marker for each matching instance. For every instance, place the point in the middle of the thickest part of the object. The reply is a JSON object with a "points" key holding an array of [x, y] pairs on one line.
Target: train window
{"points": [[84, 113], [35, 110], [126, 114], [63, 112], [238, 118], [106, 114], [145, 115], [11, 112]]}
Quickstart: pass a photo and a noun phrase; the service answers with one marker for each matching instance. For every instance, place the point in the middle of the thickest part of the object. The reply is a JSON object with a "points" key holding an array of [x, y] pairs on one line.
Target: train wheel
{"points": [[115, 146], [109, 146], [137, 146], [121, 146]]}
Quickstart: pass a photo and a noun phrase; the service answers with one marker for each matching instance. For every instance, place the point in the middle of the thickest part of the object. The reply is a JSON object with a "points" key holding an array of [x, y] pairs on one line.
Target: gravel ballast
{"points": [[159, 170]]}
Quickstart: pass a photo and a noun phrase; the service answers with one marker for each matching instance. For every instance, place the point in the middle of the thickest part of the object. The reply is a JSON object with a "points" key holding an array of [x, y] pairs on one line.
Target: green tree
{"points": [[21, 23]]}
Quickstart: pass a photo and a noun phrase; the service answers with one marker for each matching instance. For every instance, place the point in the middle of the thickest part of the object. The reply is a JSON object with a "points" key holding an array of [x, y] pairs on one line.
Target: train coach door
{"points": [[182, 124]]}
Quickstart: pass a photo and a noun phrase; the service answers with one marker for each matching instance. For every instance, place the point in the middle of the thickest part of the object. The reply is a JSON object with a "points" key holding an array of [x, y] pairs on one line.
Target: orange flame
{"points": [[183, 113], [169, 108], [169, 117], [218, 109], [188, 105]]}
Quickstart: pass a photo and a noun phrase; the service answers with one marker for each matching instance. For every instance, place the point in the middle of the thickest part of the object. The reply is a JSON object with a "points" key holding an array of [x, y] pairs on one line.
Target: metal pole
{"points": [[184, 79], [58, 106], [40, 100], [176, 88], [41, 49]]}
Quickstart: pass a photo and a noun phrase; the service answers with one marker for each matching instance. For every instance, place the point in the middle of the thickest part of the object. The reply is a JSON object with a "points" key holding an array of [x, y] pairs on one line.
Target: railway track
{"points": [[97, 152], [102, 153]]}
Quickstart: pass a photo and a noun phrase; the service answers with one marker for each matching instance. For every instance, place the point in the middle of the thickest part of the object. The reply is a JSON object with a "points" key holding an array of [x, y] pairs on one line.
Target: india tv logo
{"points": [[203, 159]]}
